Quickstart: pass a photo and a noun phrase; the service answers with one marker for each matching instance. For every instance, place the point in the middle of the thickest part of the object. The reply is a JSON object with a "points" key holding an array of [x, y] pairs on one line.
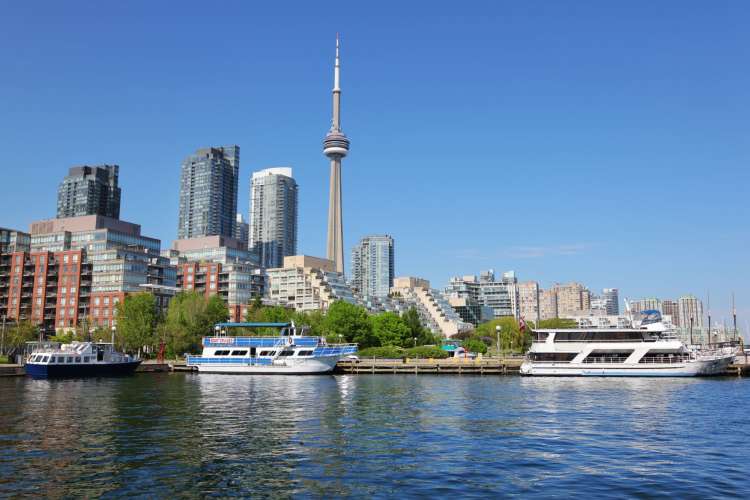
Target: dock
{"points": [[450, 366]]}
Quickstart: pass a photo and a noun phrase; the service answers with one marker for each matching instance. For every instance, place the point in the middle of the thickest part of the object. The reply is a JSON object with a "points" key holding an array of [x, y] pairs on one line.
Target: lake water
{"points": [[374, 435]]}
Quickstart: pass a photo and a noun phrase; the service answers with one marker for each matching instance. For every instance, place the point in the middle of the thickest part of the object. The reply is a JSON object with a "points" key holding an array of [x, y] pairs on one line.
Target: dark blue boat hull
{"points": [[81, 370]]}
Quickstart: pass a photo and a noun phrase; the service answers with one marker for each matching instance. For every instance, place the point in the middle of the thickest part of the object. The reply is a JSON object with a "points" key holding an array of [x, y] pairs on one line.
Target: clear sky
{"points": [[604, 142]]}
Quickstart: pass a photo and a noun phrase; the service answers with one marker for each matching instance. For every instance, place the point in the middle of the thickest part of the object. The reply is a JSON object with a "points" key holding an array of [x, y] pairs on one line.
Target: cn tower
{"points": [[335, 147]]}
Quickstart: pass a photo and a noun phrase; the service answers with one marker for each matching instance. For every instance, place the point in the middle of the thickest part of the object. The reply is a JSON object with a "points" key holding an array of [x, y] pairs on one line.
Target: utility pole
{"points": [[708, 303]]}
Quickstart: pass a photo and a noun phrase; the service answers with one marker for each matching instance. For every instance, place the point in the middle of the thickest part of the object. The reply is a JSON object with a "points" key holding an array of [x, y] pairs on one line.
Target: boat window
{"points": [[221, 353], [70, 360], [239, 353], [86, 359], [305, 353], [44, 359], [540, 336], [263, 353], [553, 356], [78, 359], [287, 353], [52, 359], [598, 336]]}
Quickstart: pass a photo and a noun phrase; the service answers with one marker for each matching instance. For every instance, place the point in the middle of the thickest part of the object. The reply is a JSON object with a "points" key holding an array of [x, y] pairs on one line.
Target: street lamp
{"points": [[113, 337], [415, 341], [498, 328]]}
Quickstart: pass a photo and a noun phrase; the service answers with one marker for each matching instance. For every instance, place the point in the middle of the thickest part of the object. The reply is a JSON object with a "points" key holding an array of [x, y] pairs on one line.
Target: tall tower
{"points": [[335, 147]]}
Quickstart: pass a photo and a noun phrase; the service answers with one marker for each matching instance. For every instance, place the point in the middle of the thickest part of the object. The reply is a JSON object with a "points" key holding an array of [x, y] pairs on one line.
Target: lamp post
{"points": [[113, 336], [415, 341], [497, 331]]}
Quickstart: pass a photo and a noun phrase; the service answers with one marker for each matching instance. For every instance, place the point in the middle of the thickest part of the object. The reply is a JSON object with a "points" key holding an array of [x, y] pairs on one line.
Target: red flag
{"points": [[522, 325]]}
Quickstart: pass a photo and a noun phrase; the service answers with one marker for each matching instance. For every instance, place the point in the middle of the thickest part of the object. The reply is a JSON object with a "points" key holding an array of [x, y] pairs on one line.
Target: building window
{"points": [[96, 301], [65, 260], [75, 258], [106, 301]]}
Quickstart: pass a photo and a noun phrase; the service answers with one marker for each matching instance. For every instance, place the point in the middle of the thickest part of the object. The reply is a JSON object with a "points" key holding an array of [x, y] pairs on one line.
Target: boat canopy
{"points": [[252, 325]]}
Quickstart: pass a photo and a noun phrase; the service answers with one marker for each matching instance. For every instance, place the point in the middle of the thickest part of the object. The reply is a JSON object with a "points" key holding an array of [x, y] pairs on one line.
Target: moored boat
{"points": [[80, 359], [288, 353], [650, 350]]}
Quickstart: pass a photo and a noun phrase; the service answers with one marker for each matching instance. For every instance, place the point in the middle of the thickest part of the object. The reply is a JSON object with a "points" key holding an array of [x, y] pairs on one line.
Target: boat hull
{"points": [[688, 369], [306, 367], [42, 371]]}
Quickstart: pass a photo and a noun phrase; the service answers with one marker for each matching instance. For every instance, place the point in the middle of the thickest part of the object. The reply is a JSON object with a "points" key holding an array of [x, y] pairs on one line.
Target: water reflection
{"points": [[151, 435]]}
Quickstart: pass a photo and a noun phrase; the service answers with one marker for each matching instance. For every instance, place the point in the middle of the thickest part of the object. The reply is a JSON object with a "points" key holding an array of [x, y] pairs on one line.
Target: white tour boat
{"points": [[287, 353], [647, 351]]}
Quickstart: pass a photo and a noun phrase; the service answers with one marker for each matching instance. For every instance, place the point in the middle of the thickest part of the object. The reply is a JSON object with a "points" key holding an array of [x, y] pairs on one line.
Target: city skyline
{"points": [[697, 251]]}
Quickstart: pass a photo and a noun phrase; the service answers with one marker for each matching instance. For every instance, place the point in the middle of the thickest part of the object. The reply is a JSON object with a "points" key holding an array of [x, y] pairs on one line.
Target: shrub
{"points": [[426, 351], [389, 352]]}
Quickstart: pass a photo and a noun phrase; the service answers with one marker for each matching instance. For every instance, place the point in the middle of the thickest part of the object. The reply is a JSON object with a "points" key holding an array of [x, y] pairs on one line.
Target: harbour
{"points": [[344, 435]]}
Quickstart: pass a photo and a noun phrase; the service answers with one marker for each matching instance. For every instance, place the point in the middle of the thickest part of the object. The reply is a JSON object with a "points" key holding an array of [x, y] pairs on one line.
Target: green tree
{"points": [[412, 320], [136, 322], [390, 330], [20, 333], [511, 336], [475, 344], [191, 316], [345, 321], [556, 323]]}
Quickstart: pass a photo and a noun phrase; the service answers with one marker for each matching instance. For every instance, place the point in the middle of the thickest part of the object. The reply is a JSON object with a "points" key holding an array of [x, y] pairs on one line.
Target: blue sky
{"points": [[594, 141]]}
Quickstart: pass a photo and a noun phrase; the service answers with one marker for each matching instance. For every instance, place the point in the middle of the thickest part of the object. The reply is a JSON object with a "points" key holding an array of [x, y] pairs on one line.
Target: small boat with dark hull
{"points": [[80, 359]]}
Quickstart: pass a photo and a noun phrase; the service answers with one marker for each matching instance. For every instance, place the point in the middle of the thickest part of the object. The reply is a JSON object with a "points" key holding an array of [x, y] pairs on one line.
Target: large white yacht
{"points": [[649, 350]]}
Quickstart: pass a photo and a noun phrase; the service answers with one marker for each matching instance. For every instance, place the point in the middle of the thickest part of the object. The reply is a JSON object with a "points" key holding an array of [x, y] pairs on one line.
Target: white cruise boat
{"points": [[647, 351], [287, 353]]}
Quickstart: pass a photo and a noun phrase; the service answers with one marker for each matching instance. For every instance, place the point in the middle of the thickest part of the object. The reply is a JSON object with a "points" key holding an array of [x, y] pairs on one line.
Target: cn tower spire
{"points": [[336, 147]]}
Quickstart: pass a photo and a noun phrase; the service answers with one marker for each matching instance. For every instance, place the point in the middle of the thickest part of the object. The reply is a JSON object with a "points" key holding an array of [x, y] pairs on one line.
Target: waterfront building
{"points": [[307, 283], [241, 231], [672, 309], [481, 299], [88, 190], [528, 301], [434, 308], [611, 297], [690, 307], [499, 295], [336, 147], [78, 268], [273, 216], [12, 240], [463, 295], [218, 265], [373, 267], [548, 304], [208, 192], [572, 299]]}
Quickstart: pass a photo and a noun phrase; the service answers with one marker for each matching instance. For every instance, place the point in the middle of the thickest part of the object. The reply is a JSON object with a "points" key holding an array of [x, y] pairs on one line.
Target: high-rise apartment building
{"points": [[89, 190], [499, 295], [373, 266], [690, 307], [672, 309], [611, 298], [273, 216], [528, 299], [548, 304], [307, 283], [242, 231], [208, 192], [572, 299], [647, 304]]}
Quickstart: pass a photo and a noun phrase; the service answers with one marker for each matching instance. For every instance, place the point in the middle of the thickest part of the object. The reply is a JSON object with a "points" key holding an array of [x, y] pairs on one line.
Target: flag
{"points": [[522, 325]]}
